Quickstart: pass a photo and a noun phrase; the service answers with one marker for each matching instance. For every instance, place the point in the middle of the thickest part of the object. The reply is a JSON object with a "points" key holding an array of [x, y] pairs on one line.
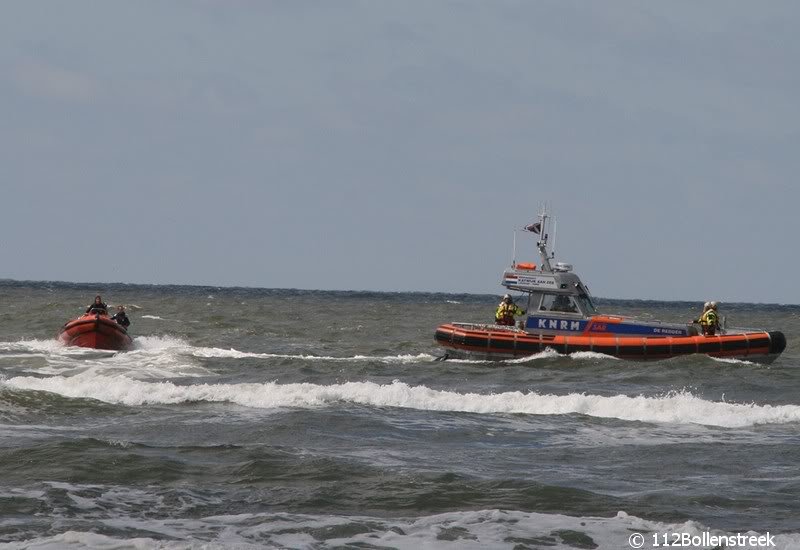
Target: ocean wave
{"points": [[151, 357], [674, 408], [501, 529], [36, 346]]}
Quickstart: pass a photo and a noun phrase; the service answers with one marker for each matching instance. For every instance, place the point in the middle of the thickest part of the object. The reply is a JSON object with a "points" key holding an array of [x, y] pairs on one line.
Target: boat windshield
{"points": [[558, 302], [586, 304]]}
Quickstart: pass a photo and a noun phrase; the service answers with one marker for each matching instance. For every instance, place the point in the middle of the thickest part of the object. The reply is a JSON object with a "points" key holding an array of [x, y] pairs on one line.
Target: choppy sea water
{"points": [[249, 418]]}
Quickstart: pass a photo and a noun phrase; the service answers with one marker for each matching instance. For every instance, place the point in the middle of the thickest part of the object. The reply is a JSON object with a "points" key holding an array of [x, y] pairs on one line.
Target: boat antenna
{"points": [[542, 244], [514, 251], [555, 234]]}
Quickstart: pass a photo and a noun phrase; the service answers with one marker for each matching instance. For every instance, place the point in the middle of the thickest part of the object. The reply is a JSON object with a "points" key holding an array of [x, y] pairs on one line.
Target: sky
{"points": [[395, 146]]}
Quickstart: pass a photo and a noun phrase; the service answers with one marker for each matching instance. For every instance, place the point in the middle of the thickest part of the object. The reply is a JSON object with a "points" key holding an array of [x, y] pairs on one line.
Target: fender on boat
{"points": [[777, 342]]}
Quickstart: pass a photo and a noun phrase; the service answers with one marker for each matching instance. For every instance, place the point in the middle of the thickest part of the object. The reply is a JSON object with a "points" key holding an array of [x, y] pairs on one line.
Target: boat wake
{"points": [[674, 408], [176, 345], [552, 354], [169, 356]]}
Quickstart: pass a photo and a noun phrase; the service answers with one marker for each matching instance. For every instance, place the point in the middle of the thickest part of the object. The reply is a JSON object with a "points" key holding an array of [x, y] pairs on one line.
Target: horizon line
{"points": [[354, 291]]}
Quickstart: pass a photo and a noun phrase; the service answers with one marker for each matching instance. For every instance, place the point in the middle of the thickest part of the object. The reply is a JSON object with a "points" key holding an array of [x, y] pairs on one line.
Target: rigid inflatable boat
{"points": [[562, 316], [95, 330]]}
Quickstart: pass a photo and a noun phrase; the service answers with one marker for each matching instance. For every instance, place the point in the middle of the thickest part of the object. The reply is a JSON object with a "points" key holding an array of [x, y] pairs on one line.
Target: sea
{"points": [[255, 418]]}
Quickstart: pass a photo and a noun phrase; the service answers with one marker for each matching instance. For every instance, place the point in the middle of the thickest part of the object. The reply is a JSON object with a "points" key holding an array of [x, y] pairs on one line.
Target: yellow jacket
{"points": [[506, 310], [710, 318]]}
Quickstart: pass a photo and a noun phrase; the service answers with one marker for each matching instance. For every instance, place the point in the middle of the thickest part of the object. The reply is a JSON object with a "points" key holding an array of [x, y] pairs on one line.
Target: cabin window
{"points": [[558, 303], [586, 304]]}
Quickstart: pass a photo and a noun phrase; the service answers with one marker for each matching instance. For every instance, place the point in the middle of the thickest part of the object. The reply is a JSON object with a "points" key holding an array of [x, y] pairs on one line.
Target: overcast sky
{"points": [[396, 145]]}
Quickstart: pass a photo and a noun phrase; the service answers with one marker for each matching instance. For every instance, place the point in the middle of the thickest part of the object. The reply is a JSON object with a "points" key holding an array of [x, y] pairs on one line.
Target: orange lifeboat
{"points": [[494, 341], [560, 314], [97, 331]]}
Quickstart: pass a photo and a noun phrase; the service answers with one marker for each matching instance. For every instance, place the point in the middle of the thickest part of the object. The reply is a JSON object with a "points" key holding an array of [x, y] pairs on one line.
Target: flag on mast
{"points": [[534, 227]]}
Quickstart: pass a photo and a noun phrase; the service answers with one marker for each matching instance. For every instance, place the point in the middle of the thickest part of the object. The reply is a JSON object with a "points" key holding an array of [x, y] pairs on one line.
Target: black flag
{"points": [[534, 227]]}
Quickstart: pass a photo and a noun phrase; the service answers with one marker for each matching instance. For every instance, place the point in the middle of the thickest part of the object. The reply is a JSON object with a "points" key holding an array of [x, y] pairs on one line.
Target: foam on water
{"points": [[151, 357], [592, 355], [33, 346], [169, 348], [482, 529], [236, 354], [548, 353], [731, 360], [675, 408], [167, 343]]}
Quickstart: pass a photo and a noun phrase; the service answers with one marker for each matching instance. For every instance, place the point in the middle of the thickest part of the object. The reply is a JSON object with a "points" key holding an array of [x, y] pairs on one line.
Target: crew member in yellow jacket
{"points": [[506, 311]]}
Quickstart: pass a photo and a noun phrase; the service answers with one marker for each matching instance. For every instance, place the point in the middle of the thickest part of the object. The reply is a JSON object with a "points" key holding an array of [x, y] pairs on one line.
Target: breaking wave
{"points": [[453, 530], [675, 408]]}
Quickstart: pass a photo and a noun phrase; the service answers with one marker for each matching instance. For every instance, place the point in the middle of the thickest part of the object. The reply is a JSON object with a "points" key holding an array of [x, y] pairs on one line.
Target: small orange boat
{"points": [[95, 330], [560, 314]]}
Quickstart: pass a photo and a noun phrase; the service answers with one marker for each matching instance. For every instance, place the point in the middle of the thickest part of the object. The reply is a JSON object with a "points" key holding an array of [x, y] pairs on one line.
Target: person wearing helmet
{"points": [[709, 320], [712, 319], [702, 319], [506, 311]]}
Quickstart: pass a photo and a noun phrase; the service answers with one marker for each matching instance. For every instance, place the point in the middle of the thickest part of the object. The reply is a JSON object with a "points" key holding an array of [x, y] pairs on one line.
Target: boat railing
{"points": [[487, 326], [742, 330]]}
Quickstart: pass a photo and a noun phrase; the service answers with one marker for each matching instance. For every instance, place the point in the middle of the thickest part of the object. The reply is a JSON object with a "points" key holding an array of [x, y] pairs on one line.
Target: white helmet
{"points": [[507, 297], [707, 305], [713, 305]]}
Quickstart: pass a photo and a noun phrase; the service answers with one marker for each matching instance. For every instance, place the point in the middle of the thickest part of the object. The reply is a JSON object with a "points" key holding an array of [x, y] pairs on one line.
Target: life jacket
{"points": [[711, 318], [505, 313]]}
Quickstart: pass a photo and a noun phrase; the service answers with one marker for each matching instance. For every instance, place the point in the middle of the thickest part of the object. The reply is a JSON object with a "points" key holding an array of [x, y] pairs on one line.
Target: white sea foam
{"points": [[674, 408], [236, 354], [731, 360], [162, 357], [152, 357], [579, 355], [169, 348], [160, 343], [156, 317], [35, 346], [548, 353], [171, 344], [483, 529]]}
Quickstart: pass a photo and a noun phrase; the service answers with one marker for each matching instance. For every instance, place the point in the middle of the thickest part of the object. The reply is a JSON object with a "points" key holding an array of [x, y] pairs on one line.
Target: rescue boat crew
{"points": [[506, 311], [99, 306], [121, 317], [711, 320], [702, 319]]}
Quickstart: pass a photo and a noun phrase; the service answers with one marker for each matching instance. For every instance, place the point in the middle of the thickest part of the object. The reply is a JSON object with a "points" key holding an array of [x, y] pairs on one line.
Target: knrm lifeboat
{"points": [[561, 315]]}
